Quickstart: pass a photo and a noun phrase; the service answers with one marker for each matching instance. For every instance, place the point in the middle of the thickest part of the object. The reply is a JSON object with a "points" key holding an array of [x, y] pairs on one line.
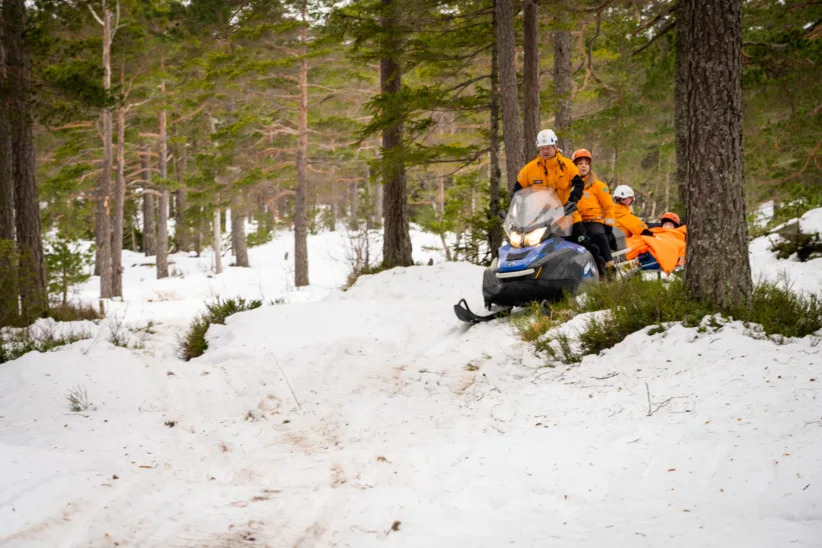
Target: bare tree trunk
{"points": [[717, 266], [562, 86], [162, 208], [218, 263], [149, 225], [530, 84], [370, 212], [495, 233], [682, 47], [396, 247], [511, 128], [198, 232], [238, 237], [379, 203], [119, 200], [6, 164], [353, 217], [182, 231], [102, 229], [300, 217]]}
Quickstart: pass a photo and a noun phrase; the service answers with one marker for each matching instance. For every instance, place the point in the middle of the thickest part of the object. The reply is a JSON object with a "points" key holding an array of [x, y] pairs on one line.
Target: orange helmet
{"points": [[672, 217], [581, 153]]}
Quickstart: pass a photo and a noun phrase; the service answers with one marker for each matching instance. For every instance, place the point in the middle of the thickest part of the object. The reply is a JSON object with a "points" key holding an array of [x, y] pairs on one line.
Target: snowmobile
{"points": [[537, 264]]}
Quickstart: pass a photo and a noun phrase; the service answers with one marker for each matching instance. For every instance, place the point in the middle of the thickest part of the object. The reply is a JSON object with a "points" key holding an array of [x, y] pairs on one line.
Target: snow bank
{"points": [[805, 276], [375, 417]]}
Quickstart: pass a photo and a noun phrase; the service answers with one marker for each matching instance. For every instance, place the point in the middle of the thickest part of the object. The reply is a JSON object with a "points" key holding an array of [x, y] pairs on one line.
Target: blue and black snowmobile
{"points": [[537, 264]]}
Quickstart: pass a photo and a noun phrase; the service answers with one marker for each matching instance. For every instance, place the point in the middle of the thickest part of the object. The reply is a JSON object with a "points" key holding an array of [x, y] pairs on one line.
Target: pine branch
{"points": [[665, 30]]}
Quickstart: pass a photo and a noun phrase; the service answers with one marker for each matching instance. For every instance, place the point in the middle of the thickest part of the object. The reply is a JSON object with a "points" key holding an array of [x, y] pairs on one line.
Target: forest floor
{"points": [[373, 417]]}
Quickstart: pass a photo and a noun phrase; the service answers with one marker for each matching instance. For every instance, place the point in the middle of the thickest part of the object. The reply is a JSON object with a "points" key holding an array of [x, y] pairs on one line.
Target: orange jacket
{"points": [[667, 245], [555, 173], [596, 205], [629, 223]]}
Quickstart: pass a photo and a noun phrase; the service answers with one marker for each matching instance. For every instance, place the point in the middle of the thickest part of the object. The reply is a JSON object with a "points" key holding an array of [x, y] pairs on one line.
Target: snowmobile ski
{"points": [[464, 313]]}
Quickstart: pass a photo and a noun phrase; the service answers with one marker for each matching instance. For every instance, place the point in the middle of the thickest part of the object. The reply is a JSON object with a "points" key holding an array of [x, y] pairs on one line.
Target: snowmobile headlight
{"points": [[516, 238], [534, 237]]}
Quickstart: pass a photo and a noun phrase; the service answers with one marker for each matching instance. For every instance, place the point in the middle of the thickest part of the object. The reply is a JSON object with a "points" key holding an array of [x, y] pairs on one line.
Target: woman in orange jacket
{"points": [[596, 206], [629, 223]]}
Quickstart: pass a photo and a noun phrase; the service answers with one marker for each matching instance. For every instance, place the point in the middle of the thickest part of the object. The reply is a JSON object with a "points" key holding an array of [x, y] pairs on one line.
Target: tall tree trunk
{"points": [[717, 265], [162, 207], [562, 86], [238, 241], [396, 247], [197, 234], [353, 217], [9, 293], [217, 242], [6, 160], [102, 229], [370, 210], [530, 83], [511, 126], [300, 213], [149, 224], [182, 230], [379, 204], [682, 48], [119, 201], [32, 278], [495, 233]]}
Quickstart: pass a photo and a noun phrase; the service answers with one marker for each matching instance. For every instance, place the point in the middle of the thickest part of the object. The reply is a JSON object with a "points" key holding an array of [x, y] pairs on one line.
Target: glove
{"points": [[570, 207]]}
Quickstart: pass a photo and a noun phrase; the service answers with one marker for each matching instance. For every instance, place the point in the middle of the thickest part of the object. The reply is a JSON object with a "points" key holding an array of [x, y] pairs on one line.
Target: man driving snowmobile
{"points": [[552, 169]]}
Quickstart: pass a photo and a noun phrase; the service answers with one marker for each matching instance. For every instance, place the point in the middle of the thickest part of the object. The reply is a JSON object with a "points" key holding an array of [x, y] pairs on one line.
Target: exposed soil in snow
{"points": [[373, 417]]}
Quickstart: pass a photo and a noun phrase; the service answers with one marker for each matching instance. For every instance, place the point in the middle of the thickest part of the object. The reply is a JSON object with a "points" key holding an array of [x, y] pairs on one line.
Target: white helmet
{"points": [[546, 138], [623, 191]]}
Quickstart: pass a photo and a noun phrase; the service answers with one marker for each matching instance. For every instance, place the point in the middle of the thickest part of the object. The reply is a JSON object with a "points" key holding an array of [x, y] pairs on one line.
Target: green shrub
{"points": [[15, 343], [805, 246], [74, 312], [194, 344], [635, 304]]}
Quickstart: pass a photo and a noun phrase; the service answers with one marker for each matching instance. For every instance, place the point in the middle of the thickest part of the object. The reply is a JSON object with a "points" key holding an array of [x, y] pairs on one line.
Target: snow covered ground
{"points": [[373, 417]]}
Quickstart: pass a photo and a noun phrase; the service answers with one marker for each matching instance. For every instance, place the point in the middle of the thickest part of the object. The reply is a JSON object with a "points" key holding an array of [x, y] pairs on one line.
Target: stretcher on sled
{"points": [[664, 252]]}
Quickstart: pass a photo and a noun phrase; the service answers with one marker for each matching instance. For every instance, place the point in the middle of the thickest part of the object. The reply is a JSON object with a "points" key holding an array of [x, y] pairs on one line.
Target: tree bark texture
{"points": [[149, 223], [562, 89], [396, 246], [495, 233], [217, 242], [509, 94], [32, 273], [238, 238], [102, 219], [530, 84], [119, 206], [301, 198], [682, 49], [162, 206], [182, 228], [717, 265], [353, 218], [6, 161]]}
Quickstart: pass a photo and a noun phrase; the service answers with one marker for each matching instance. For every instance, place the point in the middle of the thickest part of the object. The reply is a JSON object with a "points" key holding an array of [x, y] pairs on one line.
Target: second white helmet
{"points": [[623, 191], [546, 138]]}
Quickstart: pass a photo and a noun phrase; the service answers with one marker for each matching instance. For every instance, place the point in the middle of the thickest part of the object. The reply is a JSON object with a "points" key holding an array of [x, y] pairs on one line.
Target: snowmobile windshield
{"points": [[533, 209]]}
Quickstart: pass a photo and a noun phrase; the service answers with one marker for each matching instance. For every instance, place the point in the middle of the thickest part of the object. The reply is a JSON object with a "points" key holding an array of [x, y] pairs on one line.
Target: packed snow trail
{"points": [[375, 418]]}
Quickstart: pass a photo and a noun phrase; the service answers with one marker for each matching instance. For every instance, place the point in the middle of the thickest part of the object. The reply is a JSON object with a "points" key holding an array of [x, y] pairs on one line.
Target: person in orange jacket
{"points": [[596, 206], [629, 223], [551, 169]]}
